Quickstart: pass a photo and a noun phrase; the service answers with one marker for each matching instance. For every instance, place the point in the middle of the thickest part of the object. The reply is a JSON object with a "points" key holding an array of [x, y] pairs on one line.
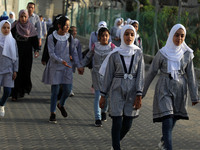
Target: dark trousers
{"points": [[6, 94], [167, 127], [120, 127]]}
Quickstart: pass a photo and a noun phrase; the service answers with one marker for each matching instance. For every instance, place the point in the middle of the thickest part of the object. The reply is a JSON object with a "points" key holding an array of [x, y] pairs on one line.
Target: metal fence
{"points": [[154, 25]]}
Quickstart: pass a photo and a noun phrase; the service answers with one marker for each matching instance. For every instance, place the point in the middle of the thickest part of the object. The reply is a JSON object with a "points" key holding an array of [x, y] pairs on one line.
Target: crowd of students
{"points": [[117, 72]]}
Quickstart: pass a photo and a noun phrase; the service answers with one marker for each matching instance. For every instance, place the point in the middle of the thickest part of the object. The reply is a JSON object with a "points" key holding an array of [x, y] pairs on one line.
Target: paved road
{"points": [[25, 125]]}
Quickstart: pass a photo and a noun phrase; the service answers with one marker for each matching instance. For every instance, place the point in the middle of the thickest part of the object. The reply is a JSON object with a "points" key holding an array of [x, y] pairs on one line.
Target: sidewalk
{"points": [[25, 125]]}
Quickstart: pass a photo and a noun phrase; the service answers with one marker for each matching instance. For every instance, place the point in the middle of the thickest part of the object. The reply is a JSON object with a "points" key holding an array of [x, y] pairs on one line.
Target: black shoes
{"points": [[62, 110], [52, 118], [98, 123], [103, 116]]}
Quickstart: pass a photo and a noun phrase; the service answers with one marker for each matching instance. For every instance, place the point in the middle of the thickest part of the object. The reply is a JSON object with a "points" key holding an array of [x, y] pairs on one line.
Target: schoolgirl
{"points": [[58, 70], [98, 53], [175, 63], [138, 39], [113, 31], [123, 71], [8, 62], [77, 45]]}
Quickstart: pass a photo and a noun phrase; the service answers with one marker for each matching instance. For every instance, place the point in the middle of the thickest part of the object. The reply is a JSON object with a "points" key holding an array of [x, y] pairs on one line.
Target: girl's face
{"points": [[136, 26], [179, 37], [118, 23], [129, 37], [5, 29], [65, 29], [11, 16], [104, 38], [74, 32], [23, 18]]}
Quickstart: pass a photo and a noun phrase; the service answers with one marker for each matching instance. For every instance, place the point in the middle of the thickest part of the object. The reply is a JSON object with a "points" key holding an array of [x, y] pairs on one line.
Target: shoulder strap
{"points": [[112, 46], [69, 40], [54, 40]]}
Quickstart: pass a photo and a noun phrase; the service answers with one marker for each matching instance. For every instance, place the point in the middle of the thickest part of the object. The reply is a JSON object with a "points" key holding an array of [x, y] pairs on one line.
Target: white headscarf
{"points": [[8, 43], [12, 13], [132, 22], [101, 24], [174, 53], [124, 50], [116, 21]]}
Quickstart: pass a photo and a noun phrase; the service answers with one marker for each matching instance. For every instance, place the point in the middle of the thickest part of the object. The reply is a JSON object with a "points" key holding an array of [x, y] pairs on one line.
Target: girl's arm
{"points": [[152, 72], [89, 56], [192, 82], [140, 76], [75, 54], [79, 51], [16, 63], [109, 75], [51, 50]]}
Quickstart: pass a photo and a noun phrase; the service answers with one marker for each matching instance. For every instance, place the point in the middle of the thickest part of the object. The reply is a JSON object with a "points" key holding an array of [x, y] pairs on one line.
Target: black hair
{"points": [[31, 3], [101, 31], [62, 20], [71, 29]]}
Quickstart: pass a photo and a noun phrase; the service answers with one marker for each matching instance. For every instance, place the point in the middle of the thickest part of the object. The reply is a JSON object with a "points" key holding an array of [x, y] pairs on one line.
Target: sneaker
{"points": [[98, 123], [62, 110], [52, 118], [71, 94], [2, 111], [161, 145], [103, 117]]}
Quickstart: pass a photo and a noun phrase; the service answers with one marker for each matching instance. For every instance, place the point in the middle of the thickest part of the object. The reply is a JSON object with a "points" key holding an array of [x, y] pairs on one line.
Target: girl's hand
{"points": [[14, 75], [80, 70], [102, 102], [194, 103], [65, 63], [138, 102], [36, 54]]}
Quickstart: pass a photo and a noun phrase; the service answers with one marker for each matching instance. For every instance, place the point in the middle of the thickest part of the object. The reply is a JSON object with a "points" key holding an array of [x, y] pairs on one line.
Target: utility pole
{"points": [[179, 10], [5, 5]]}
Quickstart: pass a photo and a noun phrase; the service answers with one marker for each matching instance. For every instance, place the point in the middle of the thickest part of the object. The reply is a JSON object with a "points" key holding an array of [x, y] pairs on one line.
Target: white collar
{"points": [[60, 37]]}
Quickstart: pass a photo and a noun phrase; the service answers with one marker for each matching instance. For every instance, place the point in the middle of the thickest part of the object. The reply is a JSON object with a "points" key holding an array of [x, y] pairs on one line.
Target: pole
{"points": [[66, 8], [5, 5], [179, 10], [138, 10]]}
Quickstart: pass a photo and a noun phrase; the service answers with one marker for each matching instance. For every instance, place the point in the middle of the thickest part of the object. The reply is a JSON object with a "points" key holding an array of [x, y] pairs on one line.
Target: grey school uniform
{"points": [[78, 48], [138, 42], [123, 89], [7, 67], [171, 96], [113, 32], [55, 72], [98, 55]]}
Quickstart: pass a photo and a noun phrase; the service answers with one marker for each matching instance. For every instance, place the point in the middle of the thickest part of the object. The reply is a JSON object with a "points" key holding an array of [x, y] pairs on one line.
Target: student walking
{"points": [[138, 39], [98, 53], [77, 45], [123, 71], [113, 32], [58, 70], [177, 75], [8, 62]]}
